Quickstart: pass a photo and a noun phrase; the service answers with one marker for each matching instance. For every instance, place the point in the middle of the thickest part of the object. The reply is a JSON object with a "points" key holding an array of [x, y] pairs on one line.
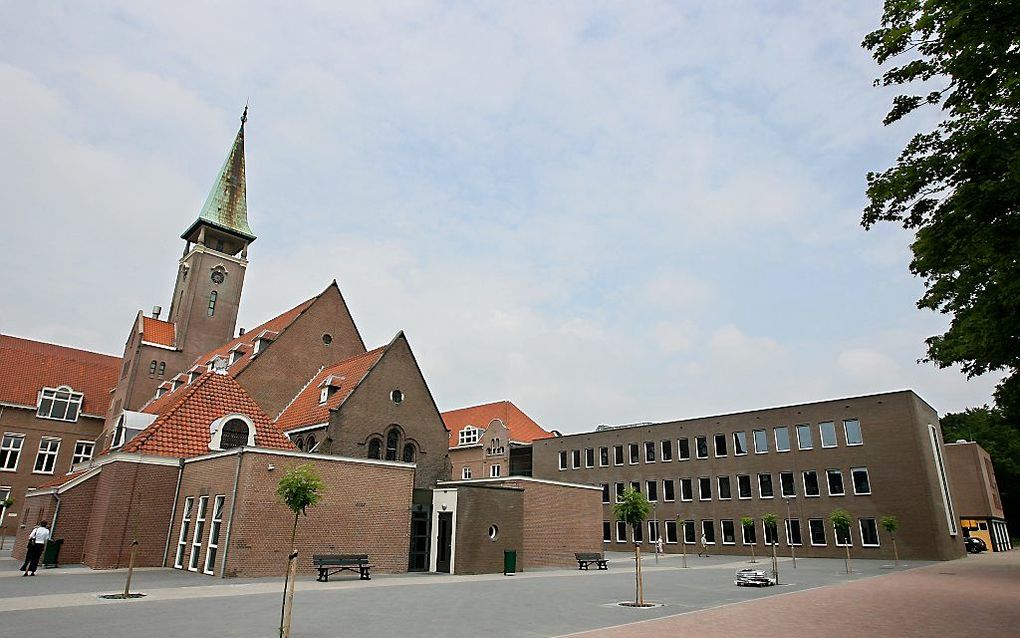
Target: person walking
{"points": [[36, 542], [703, 546]]}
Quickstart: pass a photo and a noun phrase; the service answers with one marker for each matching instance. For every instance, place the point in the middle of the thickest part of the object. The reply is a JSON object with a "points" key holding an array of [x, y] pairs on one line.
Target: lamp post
{"points": [[789, 531], [682, 528]]}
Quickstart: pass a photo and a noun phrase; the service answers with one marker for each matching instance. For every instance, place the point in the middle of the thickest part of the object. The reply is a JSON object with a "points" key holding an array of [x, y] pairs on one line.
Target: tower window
{"points": [[327, 338], [392, 439], [375, 449], [212, 303], [408, 456], [162, 368], [152, 367]]}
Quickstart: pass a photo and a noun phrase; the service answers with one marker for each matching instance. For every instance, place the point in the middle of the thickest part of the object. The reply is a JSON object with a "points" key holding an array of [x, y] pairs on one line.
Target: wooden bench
{"points": [[329, 564], [584, 559]]}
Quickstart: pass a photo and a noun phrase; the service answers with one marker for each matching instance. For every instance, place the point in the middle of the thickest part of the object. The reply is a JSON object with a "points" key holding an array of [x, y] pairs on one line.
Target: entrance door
{"points": [[419, 554], [444, 539]]}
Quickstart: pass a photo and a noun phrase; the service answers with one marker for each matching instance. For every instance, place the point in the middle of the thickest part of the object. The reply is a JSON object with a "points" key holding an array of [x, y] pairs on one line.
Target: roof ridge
{"points": [[58, 345], [298, 393]]}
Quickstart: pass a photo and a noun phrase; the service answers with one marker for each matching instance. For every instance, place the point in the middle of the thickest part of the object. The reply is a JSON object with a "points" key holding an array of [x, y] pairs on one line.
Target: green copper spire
{"points": [[226, 207]]}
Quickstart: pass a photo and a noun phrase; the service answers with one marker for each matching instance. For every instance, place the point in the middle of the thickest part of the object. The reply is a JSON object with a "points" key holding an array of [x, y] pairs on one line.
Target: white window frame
{"points": [[846, 433], [214, 531], [586, 463], [74, 398], [722, 531], [645, 448], [617, 492], [562, 456], [860, 526], [633, 459], [701, 492], [648, 491], [773, 485], [803, 480], [653, 530], [765, 438], [680, 486], [821, 434], [17, 444], [775, 435], [800, 440], [663, 447], [673, 483], [828, 483], [607, 496], [850, 533], [607, 524], [853, 480], [606, 448], [712, 522], [735, 446], [182, 541], [575, 459], [688, 524], [811, 536], [196, 536], [718, 487], [697, 451], [679, 456], [750, 487], [743, 534], [676, 537], [495, 470], [940, 467], [621, 531], [623, 456], [468, 435], [48, 454], [789, 532], [793, 483], [79, 456], [715, 445], [465, 472]]}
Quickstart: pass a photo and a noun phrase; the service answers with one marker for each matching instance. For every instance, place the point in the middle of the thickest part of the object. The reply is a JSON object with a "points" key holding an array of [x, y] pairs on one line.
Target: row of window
{"points": [[394, 438], [663, 451], [818, 533], [45, 457], [196, 537], [723, 488], [495, 470]]}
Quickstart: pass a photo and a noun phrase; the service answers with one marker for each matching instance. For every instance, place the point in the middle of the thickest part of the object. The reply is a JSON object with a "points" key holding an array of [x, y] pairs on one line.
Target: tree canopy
{"points": [[300, 488], [958, 184], [633, 508]]}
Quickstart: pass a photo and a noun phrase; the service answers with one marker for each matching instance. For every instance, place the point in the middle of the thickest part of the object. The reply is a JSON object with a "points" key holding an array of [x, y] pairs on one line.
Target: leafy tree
{"points": [[958, 184], [841, 522], [772, 527], [748, 522], [299, 489], [633, 509], [890, 524]]}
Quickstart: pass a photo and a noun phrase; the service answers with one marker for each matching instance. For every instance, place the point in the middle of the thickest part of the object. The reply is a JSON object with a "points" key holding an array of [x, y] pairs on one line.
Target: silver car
{"points": [[753, 578]]}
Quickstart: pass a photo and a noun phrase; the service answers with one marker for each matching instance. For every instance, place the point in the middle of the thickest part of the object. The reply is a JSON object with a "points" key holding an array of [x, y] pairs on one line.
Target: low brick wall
{"points": [[478, 509]]}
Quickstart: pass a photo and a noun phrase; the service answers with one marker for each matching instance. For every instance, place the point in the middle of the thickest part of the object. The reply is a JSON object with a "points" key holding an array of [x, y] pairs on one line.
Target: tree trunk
{"points": [[775, 563], [754, 559], [289, 595], [284, 613], [131, 568], [896, 553], [639, 598], [849, 569]]}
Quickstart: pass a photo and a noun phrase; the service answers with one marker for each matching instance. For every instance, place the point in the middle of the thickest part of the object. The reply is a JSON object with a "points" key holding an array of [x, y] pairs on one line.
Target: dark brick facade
{"points": [[479, 508]]}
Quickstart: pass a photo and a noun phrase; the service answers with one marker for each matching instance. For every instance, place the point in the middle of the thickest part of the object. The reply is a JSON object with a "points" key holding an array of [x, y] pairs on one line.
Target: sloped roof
{"points": [[226, 206], [182, 427], [27, 366], [305, 409], [158, 331], [522, 428]]}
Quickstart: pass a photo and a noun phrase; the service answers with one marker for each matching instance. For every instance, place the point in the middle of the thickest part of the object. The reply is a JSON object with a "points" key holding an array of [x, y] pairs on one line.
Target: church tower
{"points": [[203, 309]]}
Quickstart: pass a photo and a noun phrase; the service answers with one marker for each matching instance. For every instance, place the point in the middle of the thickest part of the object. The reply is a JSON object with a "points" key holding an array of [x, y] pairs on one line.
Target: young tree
{"points": [[772, 527], [890, 524], [633, 509], [299, 489], [748, 523], [957, 185], [841, 522]]}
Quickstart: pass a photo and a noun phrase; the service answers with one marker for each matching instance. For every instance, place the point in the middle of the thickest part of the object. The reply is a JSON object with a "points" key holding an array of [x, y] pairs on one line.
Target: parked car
{"points": [[975, 545], [753, 578]]}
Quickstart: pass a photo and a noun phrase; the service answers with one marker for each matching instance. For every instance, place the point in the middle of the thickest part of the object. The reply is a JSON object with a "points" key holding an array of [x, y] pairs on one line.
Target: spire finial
{"points": [[244, 115]]}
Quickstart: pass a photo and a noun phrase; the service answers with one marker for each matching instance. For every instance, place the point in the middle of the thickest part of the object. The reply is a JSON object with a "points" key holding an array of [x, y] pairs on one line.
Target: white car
{"points": [[753, 578]]}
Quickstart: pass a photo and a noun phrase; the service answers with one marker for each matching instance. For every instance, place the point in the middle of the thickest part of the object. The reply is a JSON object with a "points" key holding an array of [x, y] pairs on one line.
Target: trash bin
{"points": [[52, 552], [509, 561]]}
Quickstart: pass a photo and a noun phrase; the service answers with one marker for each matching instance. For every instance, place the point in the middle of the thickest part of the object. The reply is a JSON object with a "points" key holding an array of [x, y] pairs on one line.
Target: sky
{"points": [[603, 212]]}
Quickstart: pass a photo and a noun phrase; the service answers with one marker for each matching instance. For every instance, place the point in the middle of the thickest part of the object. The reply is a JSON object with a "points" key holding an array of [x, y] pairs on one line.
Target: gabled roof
{"points": [[27, 366], [182, 428], [158, 331], [522, 428], [345, 375]]}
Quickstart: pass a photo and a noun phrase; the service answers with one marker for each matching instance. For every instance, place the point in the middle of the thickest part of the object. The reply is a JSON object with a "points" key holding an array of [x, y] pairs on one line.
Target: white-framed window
{"points": [[59, 404], [782, 438], [844, 539], [82, 451], [605, 492], [723, 484], [620, 489], [835, 480], [495, 470], [744, 486], [816, 527], [213, 544], [649, 451], [787, 485], [686, 490], [639, 535], [769, 534], [46, 458], [465, 472], [5, 493], [635, 453], [862, 483], [804, 441], [869, 532], [690, 536], [761, 441], [668, 490], [636, 486], [793, 532], [652, 490], [233, 431], [323, 395], [10, 451], [708, 531], [621, 532], [720, 445], [666, 451], [603, 457], [729, 536], [827, 433], [235, 355], [575, 459], [947, 499], [671, 537], [563, 459], [748, 534], [653, 531], [589, 457], [811, 483], [617, 455], [701, 446], [196, 539], [683, 450], [739, 443], [607, 532], [704, 488], [468, 435], [182, 541], [765, 485], [852, 432]]}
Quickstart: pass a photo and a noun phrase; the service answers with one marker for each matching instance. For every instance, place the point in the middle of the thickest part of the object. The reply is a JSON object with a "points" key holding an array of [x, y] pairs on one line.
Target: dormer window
{"points": [[235, 355], [468, 436], [60, 404], [323, 395], [193, 375], [160, 391], [232, 431], [258, 346], [176, 383]]}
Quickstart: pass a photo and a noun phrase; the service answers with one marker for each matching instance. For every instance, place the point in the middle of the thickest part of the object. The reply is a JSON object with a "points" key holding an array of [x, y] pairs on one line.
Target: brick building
{"points": [[491, 440], [977, 494], [872, 456]]}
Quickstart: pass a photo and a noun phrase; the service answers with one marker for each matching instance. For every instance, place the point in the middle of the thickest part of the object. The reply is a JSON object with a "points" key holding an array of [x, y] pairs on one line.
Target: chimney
{"points": [[155, 311], [240, 332]]}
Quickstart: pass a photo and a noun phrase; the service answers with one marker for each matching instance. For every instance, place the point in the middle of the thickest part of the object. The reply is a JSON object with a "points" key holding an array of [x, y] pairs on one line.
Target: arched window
{"points": [[162, 367], [235, 434], [310, 443], [375, 449], [392, 443], [212, 303], [408, 456], [300, 443], [152, 367]]}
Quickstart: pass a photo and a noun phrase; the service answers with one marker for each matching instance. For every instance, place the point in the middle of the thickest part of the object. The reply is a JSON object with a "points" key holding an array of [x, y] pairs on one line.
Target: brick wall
{"points": [[558, 521], [72, 522], [972, 489], [33, 510], [479, 508]]}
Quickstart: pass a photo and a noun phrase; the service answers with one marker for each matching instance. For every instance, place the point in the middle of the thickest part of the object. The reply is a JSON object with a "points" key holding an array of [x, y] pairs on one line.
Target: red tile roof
{"points": [[305, 409], [182, 427], [27, 366], [522, 428], [158, 331]]}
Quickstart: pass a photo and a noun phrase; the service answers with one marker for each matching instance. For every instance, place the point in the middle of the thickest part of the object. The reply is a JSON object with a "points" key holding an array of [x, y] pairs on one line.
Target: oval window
{"points": [[493, 532], [327, 338], [397, 396]]}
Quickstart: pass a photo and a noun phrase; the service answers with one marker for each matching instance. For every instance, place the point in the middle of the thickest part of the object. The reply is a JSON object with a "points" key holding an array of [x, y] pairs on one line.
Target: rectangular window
{"points": [[827, 432], [563, 459], [817, 528], [666, 451], [61, 404], [589, 457], [621, 532], [869, 532], [607, 532], [620, 487], [603, 457], [668, 490], [862, 484], [196, 540], [852, 431], [748, 534], [844, 539], [770, 533], [182, 541], [804, 441], [636, 486], [652, 490], [617, 455], [82, 452], [683, 449], [720, 445], [704, 488], [761, 442], [689, 535], [782, 439], [46, 458], [575, 459], [765, 486], [810, 483], [214, 535], [793, 531], [635, 453], [670, 532], [465, 473], [605, 492], [947, 500], [686, 490], [701, 445], [729, 536], [835, 478], [786, 484], [708, 531], [743, 486], [649, 452], [10, 451], [653, 531], [639, 536], [739, 443], [495, 470], [724, 488]]}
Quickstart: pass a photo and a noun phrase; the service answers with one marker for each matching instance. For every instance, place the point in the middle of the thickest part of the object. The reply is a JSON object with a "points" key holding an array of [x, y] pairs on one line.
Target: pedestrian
{"points": [[703, 546], [658, 545], [36, 542]]}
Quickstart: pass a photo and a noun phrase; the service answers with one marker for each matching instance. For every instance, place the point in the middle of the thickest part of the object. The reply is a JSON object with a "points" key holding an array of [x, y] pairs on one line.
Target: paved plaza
{"points": [[817, 598]]}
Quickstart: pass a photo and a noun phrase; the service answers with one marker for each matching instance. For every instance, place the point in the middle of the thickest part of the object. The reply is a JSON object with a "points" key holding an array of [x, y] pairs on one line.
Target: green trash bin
{"points": [[509, 561], [51, 553]]}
